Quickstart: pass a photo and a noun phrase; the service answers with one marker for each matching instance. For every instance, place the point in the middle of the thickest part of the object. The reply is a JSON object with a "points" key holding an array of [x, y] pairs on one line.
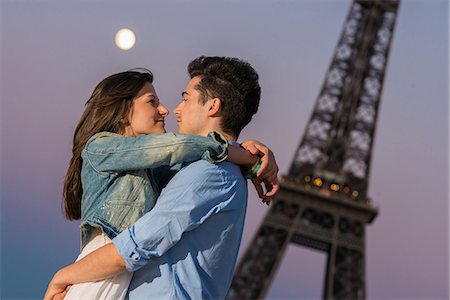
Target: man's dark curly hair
{"points": [[234, 82]]}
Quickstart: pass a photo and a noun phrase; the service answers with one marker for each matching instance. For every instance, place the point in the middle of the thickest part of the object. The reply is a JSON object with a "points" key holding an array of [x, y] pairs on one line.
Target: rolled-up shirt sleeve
{"points": [[191, 197]]}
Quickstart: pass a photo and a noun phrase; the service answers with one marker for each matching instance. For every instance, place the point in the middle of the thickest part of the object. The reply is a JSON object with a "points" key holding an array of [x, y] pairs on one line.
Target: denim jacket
{"points": [[118, 183]]}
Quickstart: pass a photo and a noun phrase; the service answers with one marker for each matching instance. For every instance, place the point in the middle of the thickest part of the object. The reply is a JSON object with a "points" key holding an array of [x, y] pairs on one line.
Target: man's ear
{"points": [[214, 107]]}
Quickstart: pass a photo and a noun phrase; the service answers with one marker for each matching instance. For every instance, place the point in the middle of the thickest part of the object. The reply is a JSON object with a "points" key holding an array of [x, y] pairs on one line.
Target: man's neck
{"points": [[206, 130], [228, 136]]}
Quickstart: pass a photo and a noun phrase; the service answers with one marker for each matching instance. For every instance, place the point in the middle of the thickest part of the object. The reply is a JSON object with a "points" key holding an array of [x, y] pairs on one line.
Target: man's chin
{"points": [[181, 130], [184, 131]]}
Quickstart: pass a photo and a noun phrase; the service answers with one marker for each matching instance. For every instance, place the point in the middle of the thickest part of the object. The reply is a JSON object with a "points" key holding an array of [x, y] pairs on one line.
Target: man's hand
{"points": [[268, 172], [56, 290], [61, 296]]}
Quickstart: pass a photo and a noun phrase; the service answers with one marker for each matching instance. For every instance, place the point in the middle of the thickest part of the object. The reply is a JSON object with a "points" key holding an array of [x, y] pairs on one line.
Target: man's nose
{"points": [[176, 111]]}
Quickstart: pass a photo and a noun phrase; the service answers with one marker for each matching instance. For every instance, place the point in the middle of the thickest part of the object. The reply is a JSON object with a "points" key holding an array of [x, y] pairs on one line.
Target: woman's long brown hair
{"points": [[106, 110]]}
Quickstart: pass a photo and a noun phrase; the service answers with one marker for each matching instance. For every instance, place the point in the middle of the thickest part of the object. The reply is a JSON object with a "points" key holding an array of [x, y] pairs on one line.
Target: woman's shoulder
{"points": [[96, 139], [104, 134]]}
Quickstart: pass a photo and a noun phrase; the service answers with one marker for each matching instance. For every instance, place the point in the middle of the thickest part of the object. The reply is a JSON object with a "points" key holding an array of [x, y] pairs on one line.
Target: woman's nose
{"points": [[163, 111]]}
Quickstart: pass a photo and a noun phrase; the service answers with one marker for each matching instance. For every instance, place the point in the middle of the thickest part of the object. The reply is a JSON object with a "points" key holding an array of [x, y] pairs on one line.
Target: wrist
{"points": [[250, 163], [57, 281], [252, 171]]}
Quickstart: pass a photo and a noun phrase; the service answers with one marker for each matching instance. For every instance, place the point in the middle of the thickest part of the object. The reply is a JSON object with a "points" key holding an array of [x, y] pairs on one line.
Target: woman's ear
{"points": [[125, 122], [214, 107]]}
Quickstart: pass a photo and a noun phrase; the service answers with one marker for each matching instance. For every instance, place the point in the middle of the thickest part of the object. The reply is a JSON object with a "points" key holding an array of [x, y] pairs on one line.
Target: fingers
{"points": [[270, 170], [63, 294], [51, 292], [275, 187], [60, 296], [272, 187], [246, 143], [262, 149], [267, 175], [252, 149], [257, 183], [268, 163], [264, 167]]}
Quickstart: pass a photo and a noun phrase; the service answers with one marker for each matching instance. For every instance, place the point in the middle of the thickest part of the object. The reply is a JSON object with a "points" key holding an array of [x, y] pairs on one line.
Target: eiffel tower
{"points": [[323, 202]]}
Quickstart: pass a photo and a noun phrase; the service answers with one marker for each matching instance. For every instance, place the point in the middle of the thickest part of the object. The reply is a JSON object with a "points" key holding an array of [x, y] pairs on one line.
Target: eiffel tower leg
{"points": [[329, 273], [345, 275], [253, 276]]}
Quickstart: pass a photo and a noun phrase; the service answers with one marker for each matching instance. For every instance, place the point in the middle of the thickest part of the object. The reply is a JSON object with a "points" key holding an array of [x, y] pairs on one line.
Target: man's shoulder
{"points": [[204, 181], [203, 172], [203, 168]]}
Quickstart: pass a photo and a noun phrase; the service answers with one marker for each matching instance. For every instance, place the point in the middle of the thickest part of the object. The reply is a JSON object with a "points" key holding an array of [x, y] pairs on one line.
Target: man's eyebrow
{"points": [[184, 93]]}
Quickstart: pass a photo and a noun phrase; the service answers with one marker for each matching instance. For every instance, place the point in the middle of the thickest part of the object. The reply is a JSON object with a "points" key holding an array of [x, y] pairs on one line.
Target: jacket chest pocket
{"points": [[127, 200]]}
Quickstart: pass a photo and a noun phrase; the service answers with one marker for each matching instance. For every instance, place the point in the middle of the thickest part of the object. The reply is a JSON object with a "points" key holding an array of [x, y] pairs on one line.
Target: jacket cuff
{"points": [[220, 152]]}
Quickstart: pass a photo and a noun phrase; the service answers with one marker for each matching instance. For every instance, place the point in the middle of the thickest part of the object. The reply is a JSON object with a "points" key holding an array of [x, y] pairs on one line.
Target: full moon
{"points": [[125, 39]]}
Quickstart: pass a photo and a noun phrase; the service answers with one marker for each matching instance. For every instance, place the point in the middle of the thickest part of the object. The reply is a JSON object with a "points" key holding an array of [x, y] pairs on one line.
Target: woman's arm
{"points": [[240, 156], [108, 152], [269, 167], [266, 179]]}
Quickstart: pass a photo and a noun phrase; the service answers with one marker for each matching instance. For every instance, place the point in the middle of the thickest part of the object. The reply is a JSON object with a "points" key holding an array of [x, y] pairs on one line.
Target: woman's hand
{"points": [[267, 175]]}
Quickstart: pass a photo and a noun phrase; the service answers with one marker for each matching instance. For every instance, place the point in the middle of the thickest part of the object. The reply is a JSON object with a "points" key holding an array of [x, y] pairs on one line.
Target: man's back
{"points": [[190, 240]]}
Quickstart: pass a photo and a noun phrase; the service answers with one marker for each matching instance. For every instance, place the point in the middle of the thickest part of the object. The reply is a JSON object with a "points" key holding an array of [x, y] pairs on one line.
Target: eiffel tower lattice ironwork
{"points": [[323, 202]]}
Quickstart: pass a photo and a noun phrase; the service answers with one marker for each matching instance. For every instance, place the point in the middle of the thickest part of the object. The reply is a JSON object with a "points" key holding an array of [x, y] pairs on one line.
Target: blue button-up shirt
{"points": [[186, 247]]}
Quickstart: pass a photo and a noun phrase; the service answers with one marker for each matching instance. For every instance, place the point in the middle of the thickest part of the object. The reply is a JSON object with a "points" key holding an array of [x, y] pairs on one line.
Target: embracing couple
{"points": [[162, 214]]}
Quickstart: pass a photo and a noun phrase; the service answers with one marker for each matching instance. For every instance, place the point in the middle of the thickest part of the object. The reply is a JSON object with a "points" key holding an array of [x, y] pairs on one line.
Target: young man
{"points": [[186, 247]]}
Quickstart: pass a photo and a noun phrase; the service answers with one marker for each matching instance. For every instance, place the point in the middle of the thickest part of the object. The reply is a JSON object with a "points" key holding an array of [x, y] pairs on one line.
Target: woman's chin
{"points": [[162, 129]]}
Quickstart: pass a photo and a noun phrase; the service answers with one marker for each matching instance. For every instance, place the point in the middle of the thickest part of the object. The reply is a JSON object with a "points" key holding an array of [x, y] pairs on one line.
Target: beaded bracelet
{"points": [[251, 174]]}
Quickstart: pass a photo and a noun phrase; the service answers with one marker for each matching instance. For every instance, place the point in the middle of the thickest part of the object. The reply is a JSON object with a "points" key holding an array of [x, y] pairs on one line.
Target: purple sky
{"points": [[53, 53]]}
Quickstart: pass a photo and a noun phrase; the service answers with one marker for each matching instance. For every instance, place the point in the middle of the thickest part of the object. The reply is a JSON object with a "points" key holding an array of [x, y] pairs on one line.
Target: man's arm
{"points": [[192, 196], [103, 263], [195, 194]]}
